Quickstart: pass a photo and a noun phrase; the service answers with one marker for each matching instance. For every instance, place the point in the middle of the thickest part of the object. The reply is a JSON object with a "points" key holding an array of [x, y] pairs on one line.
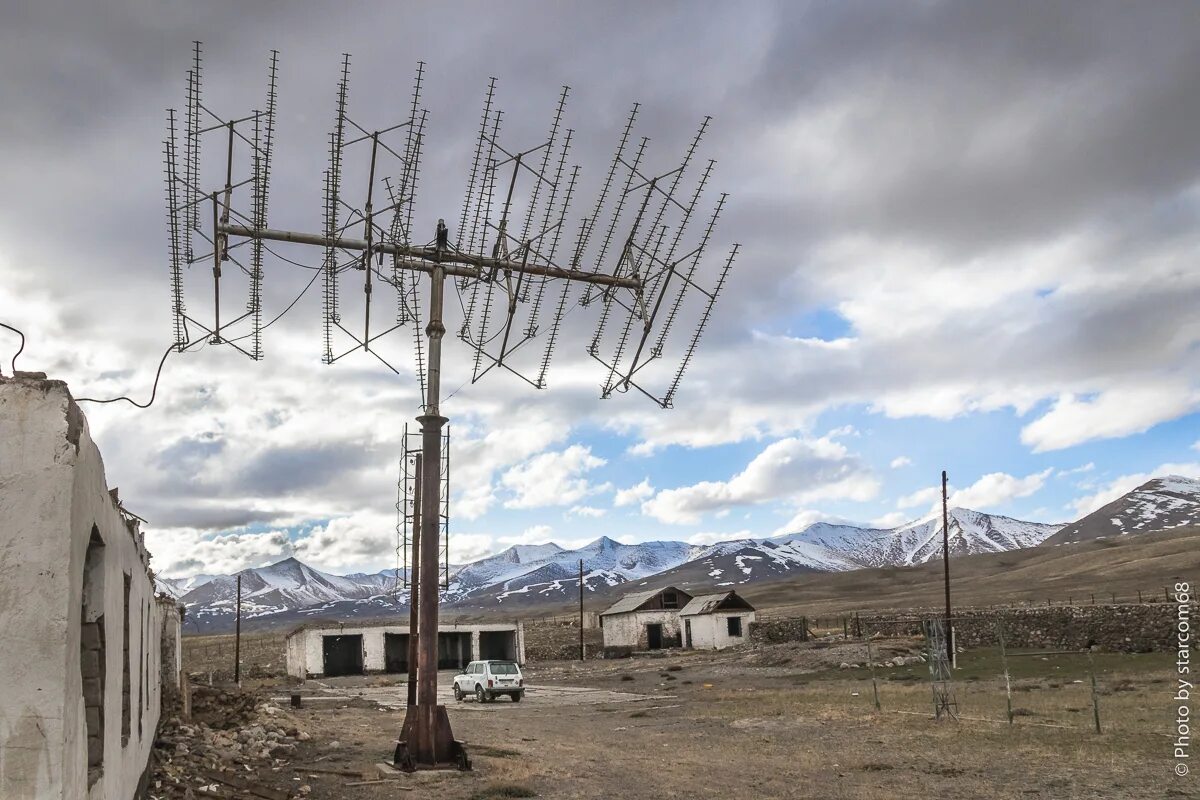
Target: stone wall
{"points": [[1121, 628]]}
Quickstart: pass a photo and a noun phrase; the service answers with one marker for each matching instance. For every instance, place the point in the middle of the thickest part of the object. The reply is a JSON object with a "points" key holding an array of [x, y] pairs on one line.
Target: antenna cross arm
{"points": [[423, 258]]}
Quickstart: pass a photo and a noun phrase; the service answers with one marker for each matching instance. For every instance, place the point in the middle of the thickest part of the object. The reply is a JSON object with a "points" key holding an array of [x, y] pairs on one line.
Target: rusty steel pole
{"points": [[581, 609], [426, 739], [946, 565], [414, 577]]}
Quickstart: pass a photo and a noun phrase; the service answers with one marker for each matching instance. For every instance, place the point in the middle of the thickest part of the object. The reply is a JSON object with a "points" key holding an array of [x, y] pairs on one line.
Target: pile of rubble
{"points": [[235, 746]]}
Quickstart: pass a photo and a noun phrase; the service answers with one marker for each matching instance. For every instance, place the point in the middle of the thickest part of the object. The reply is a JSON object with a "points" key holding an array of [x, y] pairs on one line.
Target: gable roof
{"points": [[634, 600], [708, 603]]}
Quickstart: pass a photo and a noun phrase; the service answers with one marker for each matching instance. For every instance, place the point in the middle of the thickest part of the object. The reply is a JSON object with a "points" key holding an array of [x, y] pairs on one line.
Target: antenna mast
{"points": [[518, 252]]}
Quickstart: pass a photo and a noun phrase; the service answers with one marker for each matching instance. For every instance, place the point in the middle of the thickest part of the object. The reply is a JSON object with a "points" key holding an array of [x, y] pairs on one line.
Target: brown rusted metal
{"points": [[415, 582]]}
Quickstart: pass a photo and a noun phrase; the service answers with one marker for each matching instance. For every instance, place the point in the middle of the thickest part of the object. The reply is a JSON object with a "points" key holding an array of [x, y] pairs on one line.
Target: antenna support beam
{"points": [[425, 259]]}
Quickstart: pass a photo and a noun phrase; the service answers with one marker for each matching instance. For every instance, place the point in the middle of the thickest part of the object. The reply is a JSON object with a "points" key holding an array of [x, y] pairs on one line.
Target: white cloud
{"points": [[633, 494], [1064, 473], [988, 492], [901, 461], [1089, 503], [586, 511], [551, 479], [181, 552], [996, 489], [893, 519], [920, 497], [350, 543], [791, 469], [1112, 413], [712, 537], [1196, 446], [803, 519]]}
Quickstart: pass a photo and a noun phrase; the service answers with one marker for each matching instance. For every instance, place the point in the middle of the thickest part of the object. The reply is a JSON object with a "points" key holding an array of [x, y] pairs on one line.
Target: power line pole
{"points": [[946, 565], [581, 609], [237, 636]]}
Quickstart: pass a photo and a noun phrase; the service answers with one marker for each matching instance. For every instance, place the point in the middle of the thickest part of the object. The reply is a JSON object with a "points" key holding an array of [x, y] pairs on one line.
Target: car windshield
{"points": [[504, 668]]}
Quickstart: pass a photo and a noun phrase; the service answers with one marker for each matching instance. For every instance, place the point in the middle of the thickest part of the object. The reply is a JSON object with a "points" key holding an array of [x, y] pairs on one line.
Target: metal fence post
{"points": [[1095, 692], [871, 662]]}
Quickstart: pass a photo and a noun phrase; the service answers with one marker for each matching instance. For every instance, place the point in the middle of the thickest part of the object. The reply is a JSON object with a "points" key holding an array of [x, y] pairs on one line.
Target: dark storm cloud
{"points": [[966, 130]]}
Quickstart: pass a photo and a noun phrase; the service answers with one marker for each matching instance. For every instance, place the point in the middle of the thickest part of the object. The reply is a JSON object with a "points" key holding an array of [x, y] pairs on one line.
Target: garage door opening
{"points": [[395, 652], [343, 655], [454, 650], [498, 645]]}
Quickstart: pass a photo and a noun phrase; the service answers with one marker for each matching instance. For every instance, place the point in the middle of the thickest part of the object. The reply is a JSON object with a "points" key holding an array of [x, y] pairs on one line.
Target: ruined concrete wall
{"points": [[627, 632], [63, 622], [1119, 628], [296, 648], [711, 631], [170, 648]]}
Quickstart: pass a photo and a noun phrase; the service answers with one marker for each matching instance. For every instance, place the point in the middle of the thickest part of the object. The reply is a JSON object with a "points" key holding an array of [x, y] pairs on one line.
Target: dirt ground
{"points": [[773, 722]]}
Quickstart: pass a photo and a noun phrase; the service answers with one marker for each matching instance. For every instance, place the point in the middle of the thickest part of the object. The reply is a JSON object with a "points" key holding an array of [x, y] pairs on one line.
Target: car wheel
{"points": [[479, 695], [516, 696], [458, 693]]}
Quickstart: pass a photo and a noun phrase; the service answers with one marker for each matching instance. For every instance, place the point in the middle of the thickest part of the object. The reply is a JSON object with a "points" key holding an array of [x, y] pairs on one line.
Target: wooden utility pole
{"points": [[946, 564], [581, 609], [414, 578], [237, 637]]}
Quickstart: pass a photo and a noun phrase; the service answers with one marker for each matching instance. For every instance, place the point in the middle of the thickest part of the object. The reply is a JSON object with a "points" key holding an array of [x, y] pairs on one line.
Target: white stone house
{"points": [[331, 649], [716, 621], [82, 628], [646, 620]]}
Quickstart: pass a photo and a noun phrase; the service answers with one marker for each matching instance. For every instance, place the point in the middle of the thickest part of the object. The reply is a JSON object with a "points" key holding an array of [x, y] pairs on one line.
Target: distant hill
{"points": [[1158, 504]]}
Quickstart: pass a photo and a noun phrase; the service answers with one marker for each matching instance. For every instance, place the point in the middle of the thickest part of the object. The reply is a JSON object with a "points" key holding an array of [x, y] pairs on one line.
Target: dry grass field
{"points": [[777, 722]]}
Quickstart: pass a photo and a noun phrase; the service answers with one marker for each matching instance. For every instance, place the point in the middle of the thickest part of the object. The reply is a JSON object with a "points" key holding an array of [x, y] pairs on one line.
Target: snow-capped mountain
{"points": [[286, 585], [1156, 505], [520, 575], [547, 570], [828, 547]]}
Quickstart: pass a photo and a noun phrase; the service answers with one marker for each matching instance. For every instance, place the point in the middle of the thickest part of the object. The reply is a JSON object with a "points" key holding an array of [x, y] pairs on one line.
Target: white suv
{"points": [[487, 679]]}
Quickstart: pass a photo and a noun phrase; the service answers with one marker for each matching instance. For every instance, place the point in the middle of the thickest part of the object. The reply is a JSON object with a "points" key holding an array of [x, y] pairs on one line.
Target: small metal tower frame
{"points": [[945, 703]]}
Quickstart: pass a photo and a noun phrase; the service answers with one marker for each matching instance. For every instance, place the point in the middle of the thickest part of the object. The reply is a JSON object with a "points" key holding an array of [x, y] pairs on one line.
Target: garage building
{"points": [[329, 650]]}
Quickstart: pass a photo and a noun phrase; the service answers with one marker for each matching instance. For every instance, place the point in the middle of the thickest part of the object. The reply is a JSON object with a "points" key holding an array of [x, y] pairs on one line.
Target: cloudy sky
{"points": [[968, 237]]}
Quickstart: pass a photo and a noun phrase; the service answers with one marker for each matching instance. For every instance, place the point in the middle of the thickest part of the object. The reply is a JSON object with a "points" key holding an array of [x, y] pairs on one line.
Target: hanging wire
{"points": [[19, 349]]}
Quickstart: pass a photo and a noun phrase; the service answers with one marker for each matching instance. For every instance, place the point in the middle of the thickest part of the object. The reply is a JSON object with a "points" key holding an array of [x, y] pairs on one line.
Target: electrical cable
{"points": [[19, 349], [303, 291], [153, 390]]}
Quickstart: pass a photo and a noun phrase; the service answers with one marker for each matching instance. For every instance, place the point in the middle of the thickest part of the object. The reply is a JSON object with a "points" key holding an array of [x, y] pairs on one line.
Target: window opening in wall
{"points": [[141, 674], [670, 600], [92, 653], [125, 707], [735, 626]]}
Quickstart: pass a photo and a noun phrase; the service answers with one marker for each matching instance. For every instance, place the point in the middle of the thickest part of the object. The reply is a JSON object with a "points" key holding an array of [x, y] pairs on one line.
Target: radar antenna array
{"points": [[515, 260]]}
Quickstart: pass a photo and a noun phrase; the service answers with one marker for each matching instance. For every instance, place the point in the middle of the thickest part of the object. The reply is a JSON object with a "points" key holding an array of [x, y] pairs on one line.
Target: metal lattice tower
{"points": [[515, 258], [945, 703], [408, 516]]}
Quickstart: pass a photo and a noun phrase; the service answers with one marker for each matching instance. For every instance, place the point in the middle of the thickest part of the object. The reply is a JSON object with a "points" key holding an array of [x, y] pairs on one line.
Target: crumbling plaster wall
{"points": [[629, 630], [711, 631], [52, 494]]}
